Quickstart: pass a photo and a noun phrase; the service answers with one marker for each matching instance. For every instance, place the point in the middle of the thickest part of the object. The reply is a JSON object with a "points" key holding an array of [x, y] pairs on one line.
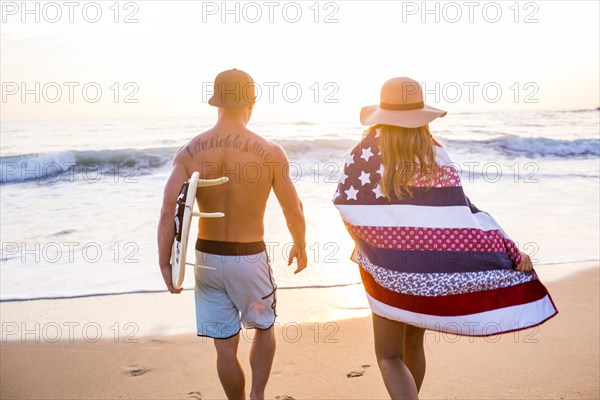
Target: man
{"points": [[240, 289]]}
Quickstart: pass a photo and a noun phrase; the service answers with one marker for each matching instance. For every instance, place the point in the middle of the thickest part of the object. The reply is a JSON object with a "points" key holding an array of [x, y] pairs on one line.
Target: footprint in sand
{"points": [[284, 397], [195, 395], [136, 370], [356, 374]]}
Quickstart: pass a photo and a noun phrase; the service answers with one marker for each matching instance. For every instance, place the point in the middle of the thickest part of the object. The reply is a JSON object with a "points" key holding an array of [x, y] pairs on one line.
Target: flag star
{"points": [[337, 194], [350, 160], [343, 177], [366, 154], [364, 178], [380, 170], [377, 133], [377, 191], [351, 193]]}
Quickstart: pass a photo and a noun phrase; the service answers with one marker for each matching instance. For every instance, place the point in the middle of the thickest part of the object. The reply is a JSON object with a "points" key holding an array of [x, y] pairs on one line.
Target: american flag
{"points": [[432, 259]]}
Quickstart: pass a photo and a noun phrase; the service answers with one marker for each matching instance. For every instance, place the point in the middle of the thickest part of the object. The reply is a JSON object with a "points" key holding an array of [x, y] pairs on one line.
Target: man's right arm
{"points": [[291, 205], [166, 229]]}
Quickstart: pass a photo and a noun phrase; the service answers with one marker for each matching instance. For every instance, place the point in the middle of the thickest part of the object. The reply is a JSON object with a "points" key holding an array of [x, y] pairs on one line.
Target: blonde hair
{"points": [[405, 151]]}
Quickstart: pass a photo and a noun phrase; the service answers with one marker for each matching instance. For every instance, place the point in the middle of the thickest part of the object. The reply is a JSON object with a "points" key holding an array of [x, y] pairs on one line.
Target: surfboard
{"points": [[183, 221]]}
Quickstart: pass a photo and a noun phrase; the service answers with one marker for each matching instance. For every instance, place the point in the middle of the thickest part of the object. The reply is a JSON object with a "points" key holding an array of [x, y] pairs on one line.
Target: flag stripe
{"points": [[456, 304], [415, 238], [433, 260], [442, 157], [486, 323], [440, 283], [421, 216]]}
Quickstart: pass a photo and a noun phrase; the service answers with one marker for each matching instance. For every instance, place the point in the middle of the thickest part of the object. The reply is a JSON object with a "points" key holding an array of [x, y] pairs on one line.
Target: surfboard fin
{"points": [[212, 182], [208, 215], [200, 266]]}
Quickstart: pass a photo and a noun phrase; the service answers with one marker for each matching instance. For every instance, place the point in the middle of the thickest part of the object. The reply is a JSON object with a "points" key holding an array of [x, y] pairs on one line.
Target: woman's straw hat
{"points": [[401, 105]]}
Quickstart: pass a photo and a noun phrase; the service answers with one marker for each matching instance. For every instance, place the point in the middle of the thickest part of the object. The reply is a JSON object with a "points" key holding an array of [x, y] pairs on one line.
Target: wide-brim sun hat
{"points": [[401, 104], [233, 88]]}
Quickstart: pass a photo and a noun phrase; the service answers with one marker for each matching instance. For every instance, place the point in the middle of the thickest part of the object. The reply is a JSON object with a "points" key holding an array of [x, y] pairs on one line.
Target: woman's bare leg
{"points": [[414, 353], [389, 350]]}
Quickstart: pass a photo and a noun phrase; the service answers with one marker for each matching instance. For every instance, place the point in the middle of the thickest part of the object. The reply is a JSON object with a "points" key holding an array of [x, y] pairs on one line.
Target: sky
{"points": [[310, 60]]}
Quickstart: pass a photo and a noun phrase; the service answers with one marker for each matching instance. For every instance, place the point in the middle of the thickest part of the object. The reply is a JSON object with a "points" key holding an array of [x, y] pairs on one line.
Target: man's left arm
{"points": [[166, 228]]}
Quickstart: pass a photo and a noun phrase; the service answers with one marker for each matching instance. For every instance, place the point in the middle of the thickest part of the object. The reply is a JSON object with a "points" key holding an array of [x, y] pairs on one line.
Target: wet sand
{"points": [[327, 359]]}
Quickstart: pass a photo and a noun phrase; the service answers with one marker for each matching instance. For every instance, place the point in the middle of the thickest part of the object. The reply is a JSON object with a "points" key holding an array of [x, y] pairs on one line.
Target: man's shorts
{"points": [[240, 290]]}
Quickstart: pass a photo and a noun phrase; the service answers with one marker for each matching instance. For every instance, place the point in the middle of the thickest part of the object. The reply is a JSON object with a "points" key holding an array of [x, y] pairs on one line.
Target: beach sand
{"points": [[164, 359]]}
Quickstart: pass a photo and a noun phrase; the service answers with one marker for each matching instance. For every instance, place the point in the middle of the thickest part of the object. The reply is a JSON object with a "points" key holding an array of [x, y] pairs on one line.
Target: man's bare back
{"points": [[251, 163]]}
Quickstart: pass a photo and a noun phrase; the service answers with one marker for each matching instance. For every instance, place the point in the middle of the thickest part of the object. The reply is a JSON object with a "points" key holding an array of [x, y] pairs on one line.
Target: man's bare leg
{"points": [[231, 373], [261, 360], [414, 353], [389, 350]]}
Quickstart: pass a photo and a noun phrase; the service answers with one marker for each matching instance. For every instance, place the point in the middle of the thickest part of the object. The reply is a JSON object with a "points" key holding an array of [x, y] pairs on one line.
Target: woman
{"points": [[429, 259]]}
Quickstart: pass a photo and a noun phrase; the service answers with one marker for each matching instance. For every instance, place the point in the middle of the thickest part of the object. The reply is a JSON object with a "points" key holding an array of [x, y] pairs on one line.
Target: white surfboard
{"points": [[183, 220]]}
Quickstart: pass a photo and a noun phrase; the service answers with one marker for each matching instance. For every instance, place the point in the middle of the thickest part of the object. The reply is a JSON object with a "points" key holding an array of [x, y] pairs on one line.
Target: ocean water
{"points": [[79, 200]]}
